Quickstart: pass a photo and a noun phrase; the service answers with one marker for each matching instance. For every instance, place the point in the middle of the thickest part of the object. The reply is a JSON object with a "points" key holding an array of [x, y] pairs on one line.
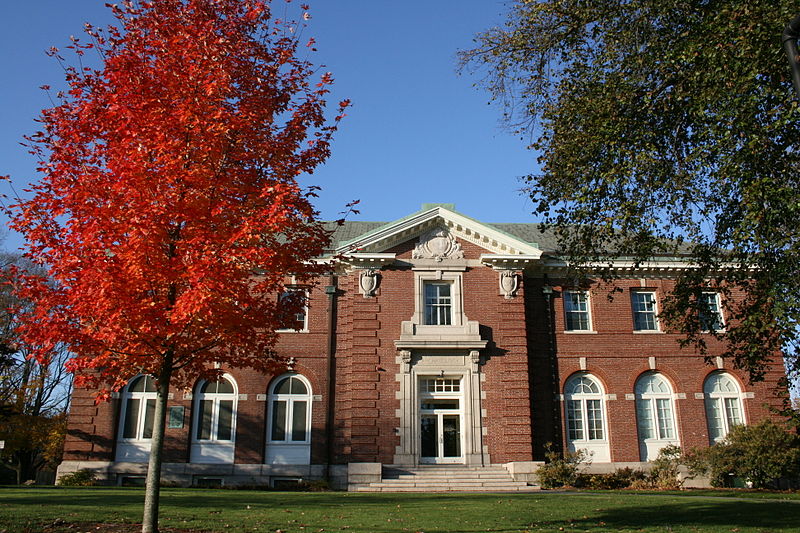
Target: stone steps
{"points": [[445, 479]]}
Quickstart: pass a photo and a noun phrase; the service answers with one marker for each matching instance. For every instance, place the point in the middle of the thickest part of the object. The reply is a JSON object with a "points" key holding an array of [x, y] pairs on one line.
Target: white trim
{"points": [[465, 228], [588, 303], [288, 450], [214, 450]]}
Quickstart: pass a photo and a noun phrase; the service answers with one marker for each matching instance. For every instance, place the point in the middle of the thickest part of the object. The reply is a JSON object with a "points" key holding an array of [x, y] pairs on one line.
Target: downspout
{"points": [[790, 35], [547, 292], [330, 354]]}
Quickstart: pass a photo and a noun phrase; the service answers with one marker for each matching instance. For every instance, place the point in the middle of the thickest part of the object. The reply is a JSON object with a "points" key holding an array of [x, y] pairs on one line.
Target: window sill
{"points": [[579, 332], [648, 332], [291, 331]]}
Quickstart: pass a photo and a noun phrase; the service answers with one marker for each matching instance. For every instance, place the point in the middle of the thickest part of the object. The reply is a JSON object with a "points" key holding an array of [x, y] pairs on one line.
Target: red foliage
{"points": [[169, 180]]}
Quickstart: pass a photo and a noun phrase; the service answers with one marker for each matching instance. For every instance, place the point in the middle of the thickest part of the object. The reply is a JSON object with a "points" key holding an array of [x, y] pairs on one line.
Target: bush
{"points": [[621, 478], [560, 469], [665, 471], [79, 478], [758, 454]]}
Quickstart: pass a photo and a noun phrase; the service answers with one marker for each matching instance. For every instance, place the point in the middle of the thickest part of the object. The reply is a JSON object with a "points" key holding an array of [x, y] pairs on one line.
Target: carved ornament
{"points": [[437, 244]]}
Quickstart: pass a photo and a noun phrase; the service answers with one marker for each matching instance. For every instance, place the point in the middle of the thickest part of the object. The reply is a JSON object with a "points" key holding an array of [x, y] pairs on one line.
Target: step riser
{"points": [[445, 479]]}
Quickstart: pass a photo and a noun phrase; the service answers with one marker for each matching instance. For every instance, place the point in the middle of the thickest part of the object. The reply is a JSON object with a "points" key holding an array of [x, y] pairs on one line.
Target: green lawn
{"points": [[28, 510]]}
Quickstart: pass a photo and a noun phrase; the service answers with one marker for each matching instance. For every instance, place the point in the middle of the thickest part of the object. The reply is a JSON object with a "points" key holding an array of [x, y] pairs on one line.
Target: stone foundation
{"points": [[192, 474]]}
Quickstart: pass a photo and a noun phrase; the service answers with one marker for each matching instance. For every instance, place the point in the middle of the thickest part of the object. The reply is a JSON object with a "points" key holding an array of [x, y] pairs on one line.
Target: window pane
{"points": [[278, 420], [644, 410], [149, 413], [594, 418], [574, 420], [732, 412], [714, 416], [644, 311], [283, 387], [131, 418], [437, 304], [225, 420], [224, 387], [298, 387], [204, 419], [665, 428], [576, 310], [299, 421], [709, 312]]}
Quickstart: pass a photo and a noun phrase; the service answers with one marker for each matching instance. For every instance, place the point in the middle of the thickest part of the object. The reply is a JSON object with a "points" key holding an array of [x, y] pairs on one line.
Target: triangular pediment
{"points": [[461, 227]]}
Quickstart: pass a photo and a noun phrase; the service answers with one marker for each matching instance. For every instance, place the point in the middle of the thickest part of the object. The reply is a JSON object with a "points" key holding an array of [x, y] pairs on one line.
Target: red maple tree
{"points": [[168, 212]]}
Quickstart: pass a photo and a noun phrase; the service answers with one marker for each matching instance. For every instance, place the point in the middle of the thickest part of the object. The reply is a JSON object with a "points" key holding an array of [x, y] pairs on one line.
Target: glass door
{"points": [[440, 421]]}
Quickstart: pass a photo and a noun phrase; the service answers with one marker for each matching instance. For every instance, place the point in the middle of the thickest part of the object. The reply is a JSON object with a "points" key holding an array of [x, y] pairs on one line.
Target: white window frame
{"points": [[454, 278], [652, 437], [143, 398], [290, 400], [582, 399], [287, 290], [598, 449], [725, 401], [640, 312], [566, 296], [215, 398], [704, 308]]}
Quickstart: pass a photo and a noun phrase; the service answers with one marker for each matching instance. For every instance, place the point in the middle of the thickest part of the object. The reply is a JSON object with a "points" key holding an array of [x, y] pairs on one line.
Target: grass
{"points": [[57, 509]]}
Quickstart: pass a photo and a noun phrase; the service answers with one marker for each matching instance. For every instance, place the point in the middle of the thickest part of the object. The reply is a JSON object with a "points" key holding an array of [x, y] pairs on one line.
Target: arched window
{"points": [[136, 419], [289, 428], [655, 413], [215, 421], [584, 406], [723, 399]]}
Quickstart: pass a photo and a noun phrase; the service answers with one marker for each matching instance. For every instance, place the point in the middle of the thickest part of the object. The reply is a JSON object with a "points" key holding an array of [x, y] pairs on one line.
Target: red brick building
{"points": [[439, 339]]}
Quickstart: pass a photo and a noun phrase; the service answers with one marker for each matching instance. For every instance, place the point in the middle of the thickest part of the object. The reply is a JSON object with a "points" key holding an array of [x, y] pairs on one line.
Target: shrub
{"points": [[79, 478], [759, 454], [665, 471], [621, 478], [560, 469]]}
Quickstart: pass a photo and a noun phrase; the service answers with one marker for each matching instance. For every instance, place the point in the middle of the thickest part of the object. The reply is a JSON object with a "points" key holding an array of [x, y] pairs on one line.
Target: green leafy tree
{"points": [[666, 128]]}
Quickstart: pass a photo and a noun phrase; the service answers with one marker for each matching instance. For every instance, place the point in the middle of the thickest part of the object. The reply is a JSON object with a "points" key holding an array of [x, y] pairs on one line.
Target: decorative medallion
{"points": [[438, 244], [368, 281], [508, 284]]}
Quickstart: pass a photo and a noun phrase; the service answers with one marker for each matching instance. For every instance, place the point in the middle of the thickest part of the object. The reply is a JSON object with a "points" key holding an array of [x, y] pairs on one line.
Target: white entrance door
{"points": [[441, 414]]}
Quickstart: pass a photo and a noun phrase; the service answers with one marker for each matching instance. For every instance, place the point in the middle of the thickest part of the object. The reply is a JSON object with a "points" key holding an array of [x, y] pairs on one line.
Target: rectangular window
{"points": [[710, 313], [205, 414], [645, 408], [594, 417], [293, 308], [732, 413], [279, 420], [714, 415], [131, 418], [576, 311], [574, 420], [665, 429], [438, 304], [644, 311], [149, 416], [225, 420], [298, 420]]}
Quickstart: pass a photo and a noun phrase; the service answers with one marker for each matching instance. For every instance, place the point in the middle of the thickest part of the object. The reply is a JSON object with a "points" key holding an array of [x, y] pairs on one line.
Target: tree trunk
{"points": [[152, 488]]}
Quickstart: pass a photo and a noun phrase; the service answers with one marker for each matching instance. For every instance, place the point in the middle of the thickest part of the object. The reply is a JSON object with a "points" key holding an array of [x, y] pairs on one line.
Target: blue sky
{"points": [[417, 132]]}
